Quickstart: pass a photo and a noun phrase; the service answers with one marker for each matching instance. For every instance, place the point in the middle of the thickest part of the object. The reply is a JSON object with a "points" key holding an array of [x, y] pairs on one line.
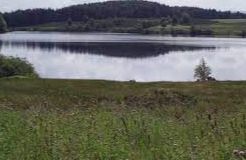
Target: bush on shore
{"points": [[10, 66]]}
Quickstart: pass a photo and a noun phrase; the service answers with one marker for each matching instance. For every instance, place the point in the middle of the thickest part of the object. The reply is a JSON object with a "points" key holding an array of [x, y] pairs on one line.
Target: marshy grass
{"points": [[58, 119]]}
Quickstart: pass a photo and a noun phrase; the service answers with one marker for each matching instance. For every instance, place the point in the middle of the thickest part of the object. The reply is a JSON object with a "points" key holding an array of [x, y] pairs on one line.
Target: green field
{"points": [[229, 26], [75, 119], [216, 27]]}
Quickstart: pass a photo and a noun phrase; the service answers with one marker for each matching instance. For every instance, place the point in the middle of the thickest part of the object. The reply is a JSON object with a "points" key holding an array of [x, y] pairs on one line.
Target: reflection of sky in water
{"points": [[226, 63]]}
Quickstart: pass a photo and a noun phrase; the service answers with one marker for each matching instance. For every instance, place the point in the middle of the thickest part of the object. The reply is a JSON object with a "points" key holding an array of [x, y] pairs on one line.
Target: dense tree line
{"points": [[112, 9], [3, 24]]}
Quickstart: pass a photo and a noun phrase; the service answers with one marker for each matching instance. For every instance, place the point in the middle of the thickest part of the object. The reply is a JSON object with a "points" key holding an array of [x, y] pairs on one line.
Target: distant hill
{"points": [[112, 9]]}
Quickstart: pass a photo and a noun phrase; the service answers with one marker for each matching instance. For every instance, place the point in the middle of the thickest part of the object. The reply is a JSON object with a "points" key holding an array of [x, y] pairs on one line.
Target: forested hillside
{"points": [[112, 9]]}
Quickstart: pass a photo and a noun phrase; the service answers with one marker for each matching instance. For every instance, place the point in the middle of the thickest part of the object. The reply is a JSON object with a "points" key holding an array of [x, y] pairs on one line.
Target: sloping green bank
{"points": [[198, 27], [65, 119]]}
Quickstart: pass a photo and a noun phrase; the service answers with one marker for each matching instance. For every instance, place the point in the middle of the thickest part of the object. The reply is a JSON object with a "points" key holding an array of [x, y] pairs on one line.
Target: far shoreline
{"points": [[129, 33]]}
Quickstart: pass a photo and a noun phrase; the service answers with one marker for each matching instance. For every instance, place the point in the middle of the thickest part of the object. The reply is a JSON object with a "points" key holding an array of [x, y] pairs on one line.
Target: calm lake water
{"points": [[125, 57]]}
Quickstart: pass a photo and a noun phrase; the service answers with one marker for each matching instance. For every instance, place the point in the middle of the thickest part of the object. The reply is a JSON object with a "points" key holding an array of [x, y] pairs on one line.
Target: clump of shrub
{"points": [[196, 31], [161, 98], [243, 34], [11, 66]]}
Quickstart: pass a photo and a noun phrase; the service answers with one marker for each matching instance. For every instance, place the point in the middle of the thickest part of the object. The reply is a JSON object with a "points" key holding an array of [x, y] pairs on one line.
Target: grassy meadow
{"points": [[84, 119]]}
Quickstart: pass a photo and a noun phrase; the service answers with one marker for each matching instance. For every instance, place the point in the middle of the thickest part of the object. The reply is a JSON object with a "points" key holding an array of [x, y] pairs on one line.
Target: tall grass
{"points": [[100, 134], [209, 128]]}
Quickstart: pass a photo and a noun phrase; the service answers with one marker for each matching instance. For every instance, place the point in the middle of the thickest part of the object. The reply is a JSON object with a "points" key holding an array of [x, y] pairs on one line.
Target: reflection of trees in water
{"points": [[131, 50]]}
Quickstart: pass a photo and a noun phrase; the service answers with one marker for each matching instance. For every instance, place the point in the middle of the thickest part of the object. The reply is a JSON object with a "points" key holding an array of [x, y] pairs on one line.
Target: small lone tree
{"points": [[175, 20], [69, 22], [186, 18], [202, 71], [165, 21]]}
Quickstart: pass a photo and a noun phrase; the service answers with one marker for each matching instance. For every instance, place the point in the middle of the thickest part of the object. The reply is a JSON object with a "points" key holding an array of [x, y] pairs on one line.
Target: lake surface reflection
{"points": [[125, 57]]}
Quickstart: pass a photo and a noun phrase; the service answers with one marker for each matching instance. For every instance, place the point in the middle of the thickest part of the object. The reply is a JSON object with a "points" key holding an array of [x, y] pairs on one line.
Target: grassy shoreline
{"points": [[85, 119]]}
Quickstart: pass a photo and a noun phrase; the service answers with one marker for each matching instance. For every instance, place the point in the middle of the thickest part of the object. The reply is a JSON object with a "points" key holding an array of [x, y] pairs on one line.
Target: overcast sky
{"points": [[10, 5]]}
